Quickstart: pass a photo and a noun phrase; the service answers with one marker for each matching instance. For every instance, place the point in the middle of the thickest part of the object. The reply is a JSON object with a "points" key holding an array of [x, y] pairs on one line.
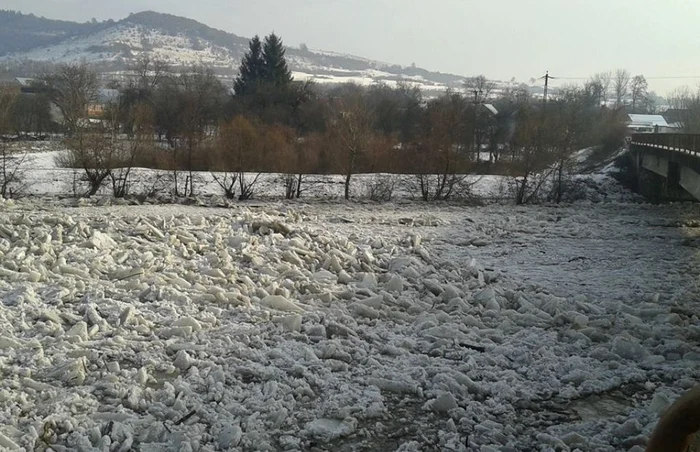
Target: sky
{"points": [[501, 39]]}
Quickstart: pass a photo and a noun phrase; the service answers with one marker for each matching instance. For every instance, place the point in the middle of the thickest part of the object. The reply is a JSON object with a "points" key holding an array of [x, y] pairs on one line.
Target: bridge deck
{"points": [[679, 142]]}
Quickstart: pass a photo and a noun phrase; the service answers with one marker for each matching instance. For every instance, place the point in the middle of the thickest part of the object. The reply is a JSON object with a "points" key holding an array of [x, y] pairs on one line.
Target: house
{"points": [[19, 84], [650, 124], [26, 85], [105, 96], [676, 116]]}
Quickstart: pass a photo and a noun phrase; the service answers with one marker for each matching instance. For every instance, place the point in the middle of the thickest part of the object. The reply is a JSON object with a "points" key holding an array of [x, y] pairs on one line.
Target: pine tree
{"points": [[252, 69], [276, 70]]}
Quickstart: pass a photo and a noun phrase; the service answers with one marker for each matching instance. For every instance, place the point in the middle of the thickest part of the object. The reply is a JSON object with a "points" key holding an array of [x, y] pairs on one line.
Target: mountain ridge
{"points": [[112, 45]]}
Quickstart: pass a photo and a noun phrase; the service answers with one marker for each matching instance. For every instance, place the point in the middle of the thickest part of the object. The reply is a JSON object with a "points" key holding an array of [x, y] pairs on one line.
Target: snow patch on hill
{"points": [[124, 42], [182, 42]]}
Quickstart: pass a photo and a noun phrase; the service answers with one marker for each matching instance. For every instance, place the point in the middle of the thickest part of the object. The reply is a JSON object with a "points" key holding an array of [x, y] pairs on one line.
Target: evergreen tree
{"points": [[252, 69], [276, 71]]}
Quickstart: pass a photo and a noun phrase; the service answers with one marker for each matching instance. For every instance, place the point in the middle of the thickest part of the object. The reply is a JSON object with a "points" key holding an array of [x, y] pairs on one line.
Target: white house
{"points": [[650, 124]]}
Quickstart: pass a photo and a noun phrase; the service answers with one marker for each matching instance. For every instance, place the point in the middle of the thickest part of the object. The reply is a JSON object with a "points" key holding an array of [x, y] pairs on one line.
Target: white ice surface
{"points": [[288, 326]]}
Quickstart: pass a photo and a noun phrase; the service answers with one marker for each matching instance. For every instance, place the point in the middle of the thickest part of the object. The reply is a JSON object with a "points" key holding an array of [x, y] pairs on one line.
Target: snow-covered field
{"points": [[322, 76], [333, 326], [42, 177]]}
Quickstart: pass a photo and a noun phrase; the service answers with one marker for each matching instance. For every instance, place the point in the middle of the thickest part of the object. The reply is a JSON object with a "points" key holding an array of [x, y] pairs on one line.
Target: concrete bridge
{"points": [[667, 165]]}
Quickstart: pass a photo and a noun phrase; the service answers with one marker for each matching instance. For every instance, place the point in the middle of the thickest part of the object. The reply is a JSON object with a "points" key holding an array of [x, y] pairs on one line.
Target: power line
{"points": [[661, 77]]}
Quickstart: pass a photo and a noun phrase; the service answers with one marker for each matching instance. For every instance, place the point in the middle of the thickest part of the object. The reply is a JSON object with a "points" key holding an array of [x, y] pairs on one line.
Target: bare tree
{"points": [[640, 94], [149, 72], [621, 85], [534, 151], [93, 151], [30, 113], [72, 88], [441, 163], [687, 103], [92, 147], [602, 81], [142, 90], [516, 95], [479, 88], [564, 130], [200, 102], [12, 171], [351, 130], [128, 150], [292, 156], [594, 90], [238, 150], [301, 162], [11, 163], [678, 98]]}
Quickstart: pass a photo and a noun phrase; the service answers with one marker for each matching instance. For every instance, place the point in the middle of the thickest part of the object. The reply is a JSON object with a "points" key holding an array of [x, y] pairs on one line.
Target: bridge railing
{"points": [[680, 142]]}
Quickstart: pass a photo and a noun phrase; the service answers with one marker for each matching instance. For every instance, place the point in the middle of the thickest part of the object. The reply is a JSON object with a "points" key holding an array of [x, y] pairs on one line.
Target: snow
{"points": [[107, 45], [122, 43], [342, 326], [648, 120], [87, 344], [116, 46], [43, 177], [335, 76]]}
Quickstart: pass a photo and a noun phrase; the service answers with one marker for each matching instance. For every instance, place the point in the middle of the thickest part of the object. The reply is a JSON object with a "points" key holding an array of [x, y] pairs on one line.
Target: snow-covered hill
{"points": [[125, 42], [112, 46]]}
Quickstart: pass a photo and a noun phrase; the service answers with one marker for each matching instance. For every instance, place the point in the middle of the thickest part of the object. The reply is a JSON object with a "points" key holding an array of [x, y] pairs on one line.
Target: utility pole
{"points": [[477, 150], [476, 92], [546, 78]]}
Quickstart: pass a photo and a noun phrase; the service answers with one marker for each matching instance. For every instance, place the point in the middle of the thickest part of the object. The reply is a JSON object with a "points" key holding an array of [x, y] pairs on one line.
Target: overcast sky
{"points": [[498, 38]]}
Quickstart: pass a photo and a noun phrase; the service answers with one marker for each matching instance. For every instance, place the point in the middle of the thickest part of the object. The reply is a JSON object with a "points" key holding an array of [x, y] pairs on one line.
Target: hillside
{"points": [[24, 32], [112, 45]]}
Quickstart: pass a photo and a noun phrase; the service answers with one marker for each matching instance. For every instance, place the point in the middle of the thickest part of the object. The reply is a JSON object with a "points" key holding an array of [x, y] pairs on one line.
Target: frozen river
{"points": [[344, 326]]}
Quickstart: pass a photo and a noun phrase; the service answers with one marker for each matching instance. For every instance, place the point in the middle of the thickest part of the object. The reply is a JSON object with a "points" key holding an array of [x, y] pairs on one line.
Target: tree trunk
{"points": [[559, 182], [94, 188], [521, 191], [347, 185], [424, 188]]}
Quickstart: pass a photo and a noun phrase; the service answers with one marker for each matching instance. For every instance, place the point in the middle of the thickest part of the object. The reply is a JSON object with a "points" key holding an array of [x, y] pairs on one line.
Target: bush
{"points": [[627, 171], [381, 187], [572, 190]]}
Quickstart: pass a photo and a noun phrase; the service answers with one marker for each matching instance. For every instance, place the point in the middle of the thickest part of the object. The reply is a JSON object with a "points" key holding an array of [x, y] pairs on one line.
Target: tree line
{"points": [[267, 122]]}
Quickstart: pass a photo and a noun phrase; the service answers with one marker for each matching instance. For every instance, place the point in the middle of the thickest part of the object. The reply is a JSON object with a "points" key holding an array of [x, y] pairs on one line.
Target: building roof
{"points": [[491, 108], [648, 120], [24, 81]]}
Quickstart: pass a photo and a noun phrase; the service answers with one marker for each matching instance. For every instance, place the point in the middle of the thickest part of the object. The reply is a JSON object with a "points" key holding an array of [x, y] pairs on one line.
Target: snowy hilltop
{"points": [[114, 45]]}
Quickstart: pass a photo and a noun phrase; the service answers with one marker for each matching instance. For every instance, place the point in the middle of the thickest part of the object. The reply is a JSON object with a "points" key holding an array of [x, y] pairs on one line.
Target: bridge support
{"points": [[662, 175], [690, 181], [655, 163], [667, 165]]}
